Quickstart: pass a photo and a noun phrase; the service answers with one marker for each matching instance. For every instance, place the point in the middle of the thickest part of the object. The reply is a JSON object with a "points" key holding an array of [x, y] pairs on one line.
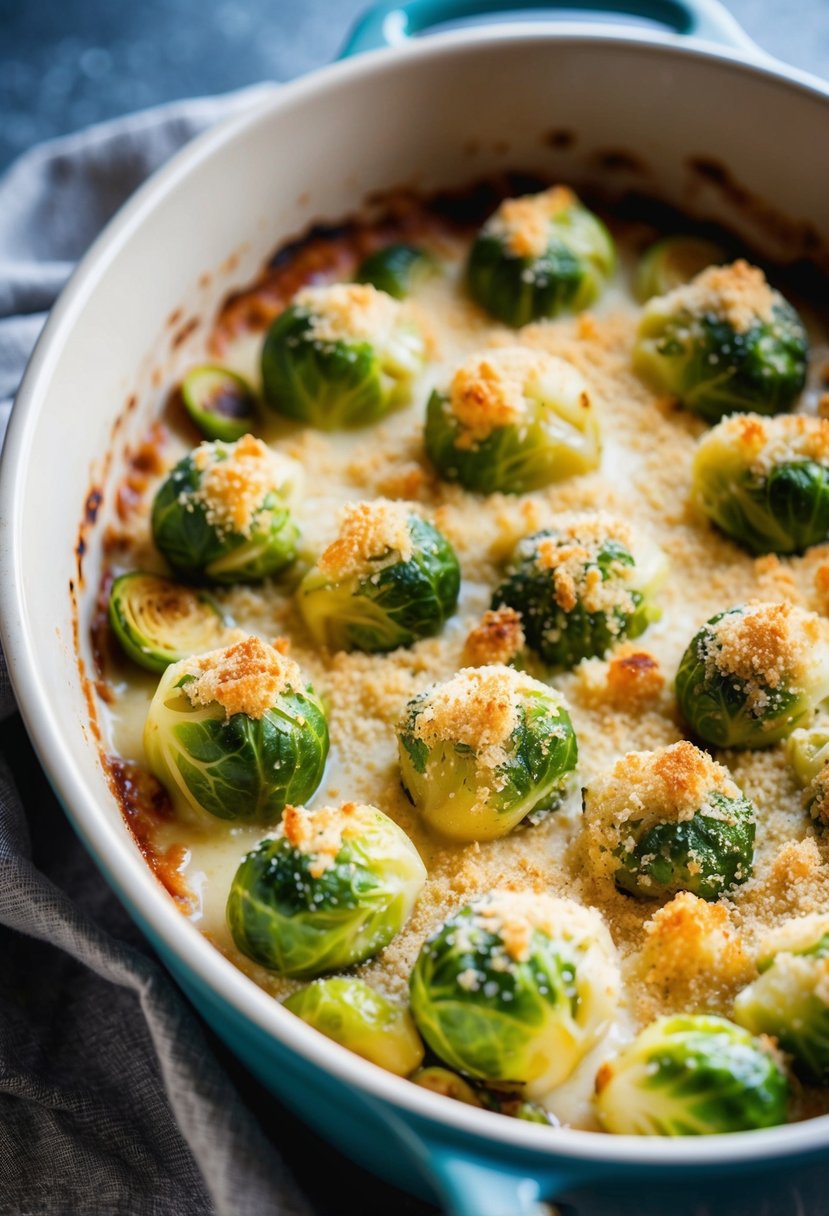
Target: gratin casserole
{"points": [[448, 712]]}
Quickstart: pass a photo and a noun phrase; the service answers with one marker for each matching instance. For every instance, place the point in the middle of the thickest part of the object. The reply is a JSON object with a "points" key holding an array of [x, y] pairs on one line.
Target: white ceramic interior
{"points": [[440, 112]]}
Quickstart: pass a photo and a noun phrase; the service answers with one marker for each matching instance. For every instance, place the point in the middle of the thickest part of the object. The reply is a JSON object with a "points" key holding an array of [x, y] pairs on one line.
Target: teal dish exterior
{"points": [[471, 1162]]}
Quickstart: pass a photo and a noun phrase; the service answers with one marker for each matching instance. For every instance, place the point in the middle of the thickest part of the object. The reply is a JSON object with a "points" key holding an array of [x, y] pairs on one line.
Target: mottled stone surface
{"points": [[65, 65]]}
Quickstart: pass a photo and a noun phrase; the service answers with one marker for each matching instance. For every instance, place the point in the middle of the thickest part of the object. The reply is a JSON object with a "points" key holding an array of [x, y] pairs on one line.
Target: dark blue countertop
{"points": [[64, 66]]}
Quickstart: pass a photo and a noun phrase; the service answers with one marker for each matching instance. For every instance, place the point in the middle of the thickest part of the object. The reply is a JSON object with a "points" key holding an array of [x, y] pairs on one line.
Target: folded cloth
{"points": [[112, 1101]]}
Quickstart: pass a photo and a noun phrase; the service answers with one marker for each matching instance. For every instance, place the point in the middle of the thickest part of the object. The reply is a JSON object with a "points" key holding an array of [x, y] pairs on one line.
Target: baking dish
{"points": [[601, 105]]}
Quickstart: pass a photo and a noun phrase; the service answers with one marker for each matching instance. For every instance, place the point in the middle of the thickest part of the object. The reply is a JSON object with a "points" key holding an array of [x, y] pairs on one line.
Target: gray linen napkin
{"points": [[112, 1101]]}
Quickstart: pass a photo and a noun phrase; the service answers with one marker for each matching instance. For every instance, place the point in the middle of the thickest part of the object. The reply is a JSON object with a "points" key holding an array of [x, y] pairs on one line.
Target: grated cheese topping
{"points": [[356, 312], [245, 678], [571, 554], [319, 833], [369, 532], [497, 639], [236, 479], [767, 648], [765, 443], [738, 294], [524, 223]]}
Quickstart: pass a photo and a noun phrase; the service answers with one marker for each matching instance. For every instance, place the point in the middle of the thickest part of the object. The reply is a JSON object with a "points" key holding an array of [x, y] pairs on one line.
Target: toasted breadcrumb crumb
{"points": [[499, 638], [368, 532], [524, 222]]}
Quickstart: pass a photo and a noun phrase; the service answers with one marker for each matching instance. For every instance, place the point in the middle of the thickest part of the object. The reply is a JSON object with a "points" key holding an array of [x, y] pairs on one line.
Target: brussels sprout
{"points": [[539, 256], [331, 888], [449, 1084], [516, 987], [667, 821], [754, 673], [482, 751], [692, 1076], [223, 513], [395, 269], [388, 579], [514, 420], [675, 260], [221, 404], [790, 1000], [236, 733], [579, 588], [725, 342], [157, 622], [807, 750], [362, 1019], [765, 481], [341, 356]]}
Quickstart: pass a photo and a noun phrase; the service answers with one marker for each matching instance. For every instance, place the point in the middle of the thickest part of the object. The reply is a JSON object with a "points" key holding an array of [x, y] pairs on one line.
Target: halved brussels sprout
{"points": [[514, 420], [539, 256], [790, 1000], [157, 622], [236, 733], [581, 587], [765, 481], [725, 342], [331, 888], [395, 269], [341, 356], [449, 1084], [754, 673], [362, 1019], [516, 987], [388, 579], [692, 1076], [224, 512], [484, 750], [674, 260], [669, 820], [221, 404]]}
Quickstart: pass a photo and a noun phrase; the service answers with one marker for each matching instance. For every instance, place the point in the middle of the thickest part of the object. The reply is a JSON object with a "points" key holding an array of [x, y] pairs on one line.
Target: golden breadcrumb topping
{"points": [[496, 388], [524, 222], [245, 678], [497, 639], [765, 647], [794, 936], [738, 294], [478, 708], [349, 311], [765, 443], [516, 915], [571, 554], [369, 531], [692, 955], [236, 479], [319, 832], [669, 785]]}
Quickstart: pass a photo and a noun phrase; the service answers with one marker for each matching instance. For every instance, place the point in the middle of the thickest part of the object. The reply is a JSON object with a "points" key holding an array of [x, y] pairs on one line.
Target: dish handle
{"points": [[390, 22], [471, 1186]]}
